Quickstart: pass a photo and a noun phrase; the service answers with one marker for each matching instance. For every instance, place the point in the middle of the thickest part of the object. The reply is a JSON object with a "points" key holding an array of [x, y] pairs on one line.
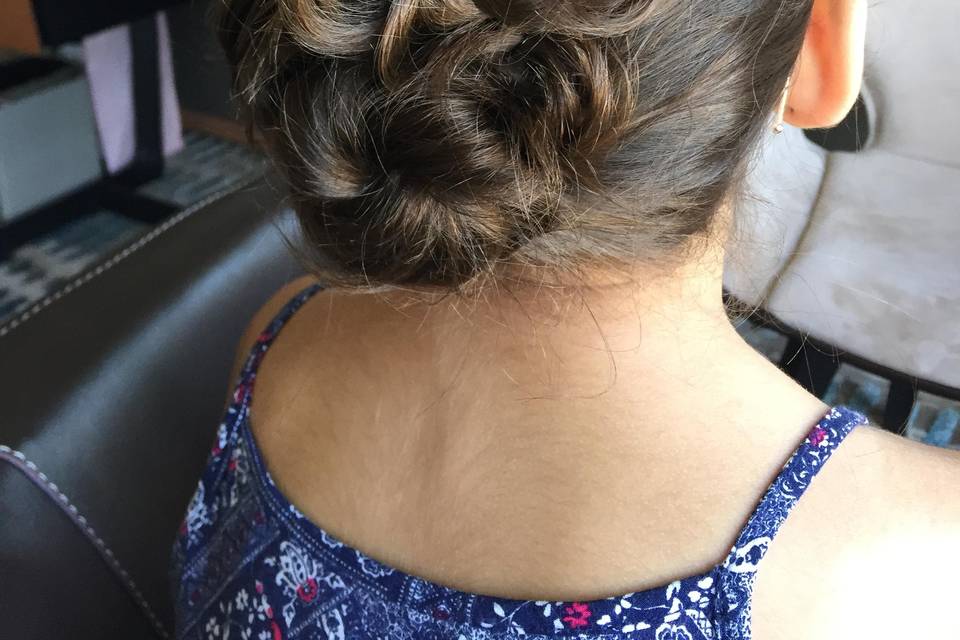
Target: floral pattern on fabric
{"points": [[738, 571], [248, 565]]}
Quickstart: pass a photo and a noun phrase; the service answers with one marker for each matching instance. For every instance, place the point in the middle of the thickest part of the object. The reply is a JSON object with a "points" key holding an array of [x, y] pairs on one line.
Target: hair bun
{"points": [[427, 141], [456, 147]]}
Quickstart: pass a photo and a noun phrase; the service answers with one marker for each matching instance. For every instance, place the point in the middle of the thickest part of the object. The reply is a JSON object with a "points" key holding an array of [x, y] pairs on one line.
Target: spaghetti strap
{"points": [[249, 371], [738, 572]]}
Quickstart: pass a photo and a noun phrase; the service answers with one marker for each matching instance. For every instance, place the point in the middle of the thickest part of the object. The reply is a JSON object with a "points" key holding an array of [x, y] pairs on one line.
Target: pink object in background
{"points": [[109, 65]]}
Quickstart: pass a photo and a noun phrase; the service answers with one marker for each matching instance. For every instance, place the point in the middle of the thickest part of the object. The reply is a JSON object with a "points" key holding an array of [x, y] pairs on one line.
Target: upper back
{"points": [[874, 531]]}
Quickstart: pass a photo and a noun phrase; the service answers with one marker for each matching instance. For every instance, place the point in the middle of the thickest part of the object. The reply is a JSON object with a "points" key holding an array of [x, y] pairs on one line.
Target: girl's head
{"points": [[427, 142]]}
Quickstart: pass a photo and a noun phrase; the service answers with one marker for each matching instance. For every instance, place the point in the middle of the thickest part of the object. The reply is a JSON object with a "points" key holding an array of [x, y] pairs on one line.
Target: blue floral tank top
{"points": [[247, 565]]}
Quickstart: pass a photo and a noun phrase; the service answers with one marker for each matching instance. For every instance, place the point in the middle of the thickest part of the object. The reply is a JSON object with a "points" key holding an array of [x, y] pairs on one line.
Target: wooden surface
{"points": [[225, 128], [18, 29]]}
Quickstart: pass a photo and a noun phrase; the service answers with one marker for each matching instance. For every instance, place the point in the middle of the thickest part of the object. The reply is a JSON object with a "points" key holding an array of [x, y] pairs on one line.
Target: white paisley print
{"points": [[248, 565]]}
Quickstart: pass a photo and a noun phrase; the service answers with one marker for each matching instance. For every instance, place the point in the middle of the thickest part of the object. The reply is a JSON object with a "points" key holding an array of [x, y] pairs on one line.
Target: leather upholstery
{"points": [[53, 579], [114, 391]]}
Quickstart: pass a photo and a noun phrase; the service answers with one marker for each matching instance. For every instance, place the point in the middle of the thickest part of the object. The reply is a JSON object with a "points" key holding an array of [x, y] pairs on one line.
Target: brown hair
{"points": [[429, 141]]}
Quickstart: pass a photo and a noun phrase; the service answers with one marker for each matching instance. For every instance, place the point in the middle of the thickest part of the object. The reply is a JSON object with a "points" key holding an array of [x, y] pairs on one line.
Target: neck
{"points": [[648, 347], [642, 320], [465, 412]]}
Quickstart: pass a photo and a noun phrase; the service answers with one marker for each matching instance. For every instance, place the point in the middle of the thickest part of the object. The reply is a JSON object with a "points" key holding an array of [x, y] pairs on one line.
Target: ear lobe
{"points": [[829, 71]]}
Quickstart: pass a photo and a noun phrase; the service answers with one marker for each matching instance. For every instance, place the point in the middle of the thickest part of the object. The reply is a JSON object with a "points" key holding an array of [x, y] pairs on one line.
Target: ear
{"points": [[826, 81]]}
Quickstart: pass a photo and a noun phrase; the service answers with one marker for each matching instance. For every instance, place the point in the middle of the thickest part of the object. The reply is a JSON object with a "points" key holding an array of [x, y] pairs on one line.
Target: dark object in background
{"points": [[203, 75], [852, 134], [60, 22]]}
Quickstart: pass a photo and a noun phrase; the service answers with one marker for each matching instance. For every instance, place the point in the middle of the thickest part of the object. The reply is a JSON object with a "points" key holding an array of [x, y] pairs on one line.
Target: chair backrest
{"points": [[110, 395]]}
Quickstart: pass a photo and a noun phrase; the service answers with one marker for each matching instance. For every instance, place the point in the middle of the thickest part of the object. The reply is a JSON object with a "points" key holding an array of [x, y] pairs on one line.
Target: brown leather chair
{"points": [[110, 394]]}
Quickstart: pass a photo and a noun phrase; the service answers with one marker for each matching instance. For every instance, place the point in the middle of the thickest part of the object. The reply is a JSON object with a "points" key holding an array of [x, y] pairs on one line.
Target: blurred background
{"points": [[140, 229], [114, 117]]}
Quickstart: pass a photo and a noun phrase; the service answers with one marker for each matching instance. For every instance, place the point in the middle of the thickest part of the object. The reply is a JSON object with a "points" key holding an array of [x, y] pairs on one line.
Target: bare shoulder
{"points": [[901, 478], [872, 550], [269, 310], [265, 314], [916, 472]]}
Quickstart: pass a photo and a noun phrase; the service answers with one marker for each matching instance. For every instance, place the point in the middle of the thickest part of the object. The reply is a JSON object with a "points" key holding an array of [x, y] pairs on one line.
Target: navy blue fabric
{"points": [[248, 564]]}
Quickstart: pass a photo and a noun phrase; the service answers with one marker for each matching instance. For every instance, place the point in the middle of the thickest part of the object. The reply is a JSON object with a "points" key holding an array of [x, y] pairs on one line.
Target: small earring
{"points": [[782, 108]]}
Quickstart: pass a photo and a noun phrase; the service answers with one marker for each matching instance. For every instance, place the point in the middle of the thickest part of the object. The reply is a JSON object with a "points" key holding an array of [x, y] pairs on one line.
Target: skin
{"points": [[603, 437]]}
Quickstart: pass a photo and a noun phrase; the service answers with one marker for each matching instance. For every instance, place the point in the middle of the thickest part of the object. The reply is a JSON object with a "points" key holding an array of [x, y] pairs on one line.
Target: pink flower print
{"points": [[264, 337], [259, 586], [308, 590], [817, 436], [441, 613], [221, 440], [275, 628], [577, 615], [239, 393]]}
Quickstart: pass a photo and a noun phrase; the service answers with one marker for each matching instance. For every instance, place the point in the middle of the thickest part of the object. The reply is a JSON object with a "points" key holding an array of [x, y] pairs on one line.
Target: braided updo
{"points": [[430, 141]]}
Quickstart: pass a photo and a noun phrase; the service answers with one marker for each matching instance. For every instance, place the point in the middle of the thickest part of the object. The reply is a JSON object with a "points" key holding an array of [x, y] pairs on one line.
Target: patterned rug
{"points": [[205, 166], [40, 268]]}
